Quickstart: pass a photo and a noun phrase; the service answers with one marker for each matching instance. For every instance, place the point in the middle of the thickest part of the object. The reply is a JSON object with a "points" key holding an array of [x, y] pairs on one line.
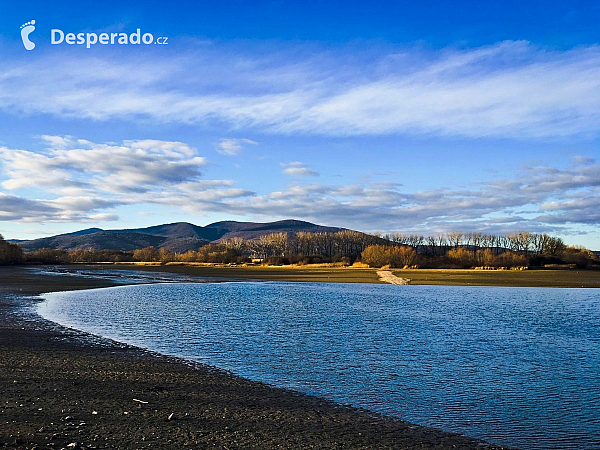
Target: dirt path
{"points": [[388, 277]]}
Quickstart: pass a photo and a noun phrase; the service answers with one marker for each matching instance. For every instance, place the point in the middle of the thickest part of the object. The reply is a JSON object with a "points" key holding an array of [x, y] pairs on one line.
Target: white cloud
{"points": [[78, 180], [134, 166], [232, 147], [87, 182], [297, 168], [19, 209], [539, 199], [103, 217], [508, 90], [583, 160]]}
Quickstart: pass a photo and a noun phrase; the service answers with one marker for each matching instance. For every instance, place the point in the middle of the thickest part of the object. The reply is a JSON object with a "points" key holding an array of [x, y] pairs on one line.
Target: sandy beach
{"points": [[63, 389]]}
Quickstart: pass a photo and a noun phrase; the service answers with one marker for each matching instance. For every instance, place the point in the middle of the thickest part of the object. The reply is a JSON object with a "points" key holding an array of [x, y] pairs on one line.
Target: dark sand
{"points": [[61, 388]]}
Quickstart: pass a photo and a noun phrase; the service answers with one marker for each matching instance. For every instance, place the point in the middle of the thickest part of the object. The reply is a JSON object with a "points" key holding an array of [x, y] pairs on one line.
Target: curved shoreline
{"points": [[64, 388]]}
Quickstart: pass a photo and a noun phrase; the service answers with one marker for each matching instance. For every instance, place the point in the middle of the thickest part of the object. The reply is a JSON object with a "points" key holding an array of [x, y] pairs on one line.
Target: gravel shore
{"points": [[61, 388]]}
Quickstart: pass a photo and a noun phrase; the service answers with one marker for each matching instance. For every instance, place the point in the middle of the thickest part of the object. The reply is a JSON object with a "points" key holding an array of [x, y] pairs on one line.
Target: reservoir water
{"points": [[514, 366]]}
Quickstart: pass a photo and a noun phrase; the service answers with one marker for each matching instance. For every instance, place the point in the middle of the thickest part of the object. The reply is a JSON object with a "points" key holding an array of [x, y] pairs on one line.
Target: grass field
{"points": [[534, 278], [269, 273]]}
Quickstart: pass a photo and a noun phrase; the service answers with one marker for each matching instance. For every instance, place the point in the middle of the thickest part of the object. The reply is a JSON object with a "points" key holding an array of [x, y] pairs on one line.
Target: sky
{"points": [[411, 117]]}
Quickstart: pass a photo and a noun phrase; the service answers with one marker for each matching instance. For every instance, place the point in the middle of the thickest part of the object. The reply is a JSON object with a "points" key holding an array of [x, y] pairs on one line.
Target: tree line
{"points": [[444, 250], [472, 249], [275, 248], [10, 253]]}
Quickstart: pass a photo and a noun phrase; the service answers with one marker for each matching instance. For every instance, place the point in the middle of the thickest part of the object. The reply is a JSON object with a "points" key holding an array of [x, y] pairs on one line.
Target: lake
{"points": [[514, 366]]}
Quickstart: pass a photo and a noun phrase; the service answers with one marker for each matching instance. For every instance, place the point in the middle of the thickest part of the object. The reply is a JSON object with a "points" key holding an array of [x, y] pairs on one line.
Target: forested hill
{"points": [[177, 237]]}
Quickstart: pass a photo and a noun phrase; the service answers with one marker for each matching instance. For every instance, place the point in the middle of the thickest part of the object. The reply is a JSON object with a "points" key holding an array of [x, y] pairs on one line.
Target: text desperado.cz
{"points": [[89, 39]]}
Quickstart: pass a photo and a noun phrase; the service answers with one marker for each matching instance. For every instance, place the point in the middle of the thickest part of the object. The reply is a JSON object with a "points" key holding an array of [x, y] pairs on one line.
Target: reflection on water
{"points": [[515, 366]]}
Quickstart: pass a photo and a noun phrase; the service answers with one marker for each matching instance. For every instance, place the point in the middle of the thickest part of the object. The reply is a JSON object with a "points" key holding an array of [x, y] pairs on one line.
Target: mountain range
{"points": [[177, 237]]}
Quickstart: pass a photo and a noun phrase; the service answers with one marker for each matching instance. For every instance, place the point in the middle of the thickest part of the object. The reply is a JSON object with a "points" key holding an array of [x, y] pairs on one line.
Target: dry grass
{"points": [[144, 263], [305, 273], [535, 278], [360, 274]]}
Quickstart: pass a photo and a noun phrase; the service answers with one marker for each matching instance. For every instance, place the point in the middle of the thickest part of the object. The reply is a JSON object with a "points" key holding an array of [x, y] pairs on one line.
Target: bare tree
{"points": [[476, 239], [236, 244], [455, 238], [520, 242], [442, 243], [432, 245], [415, 241]]}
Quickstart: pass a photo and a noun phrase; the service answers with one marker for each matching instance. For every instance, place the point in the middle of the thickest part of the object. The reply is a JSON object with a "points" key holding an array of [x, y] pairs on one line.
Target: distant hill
{"points": [[178, 237], [251, 230], [98, 241]]}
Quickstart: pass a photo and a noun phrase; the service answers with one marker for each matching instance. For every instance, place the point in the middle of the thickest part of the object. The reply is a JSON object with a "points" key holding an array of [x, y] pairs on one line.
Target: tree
{"points": [[415, 241], [455, 238], [403, 256], [462, 257], [476, 240], [166, 256], [10, 253], [580, 256], [398, 238], [441, 240], [148, 254], [235, 244], [553, 247], [384, 255], [82, 255], [520, 242], [374, 256], [189, 256], [432, 245], [485, 257], [511, 259], [47, 256]]}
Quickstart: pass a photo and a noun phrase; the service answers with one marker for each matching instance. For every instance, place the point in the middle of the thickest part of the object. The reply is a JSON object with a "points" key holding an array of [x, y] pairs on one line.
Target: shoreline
{"points": [[62, 387], [558, 278]]}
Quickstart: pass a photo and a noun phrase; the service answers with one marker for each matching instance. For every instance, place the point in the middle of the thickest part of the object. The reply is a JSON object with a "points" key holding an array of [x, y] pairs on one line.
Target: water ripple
{"points": [[514, 366]]}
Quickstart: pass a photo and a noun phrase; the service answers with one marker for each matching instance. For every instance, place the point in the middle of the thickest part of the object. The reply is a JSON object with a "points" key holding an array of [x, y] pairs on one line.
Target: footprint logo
{"points": [[26, 30]]}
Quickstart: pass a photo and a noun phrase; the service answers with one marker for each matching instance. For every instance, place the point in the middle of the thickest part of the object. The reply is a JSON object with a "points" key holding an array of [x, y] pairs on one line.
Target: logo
{"points": [[26, 30], [89, 39]]}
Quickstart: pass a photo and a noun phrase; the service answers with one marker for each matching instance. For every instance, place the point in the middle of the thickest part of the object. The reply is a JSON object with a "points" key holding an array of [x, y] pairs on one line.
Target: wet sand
{"points": [[61, 388]]}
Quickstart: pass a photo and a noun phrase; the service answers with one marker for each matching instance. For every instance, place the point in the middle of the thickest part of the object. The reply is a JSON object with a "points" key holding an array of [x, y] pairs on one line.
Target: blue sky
{"points": [[377, 116]]}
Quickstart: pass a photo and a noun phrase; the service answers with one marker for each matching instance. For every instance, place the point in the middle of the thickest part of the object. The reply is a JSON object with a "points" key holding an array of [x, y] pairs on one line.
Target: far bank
{"points": [[565, 278]]}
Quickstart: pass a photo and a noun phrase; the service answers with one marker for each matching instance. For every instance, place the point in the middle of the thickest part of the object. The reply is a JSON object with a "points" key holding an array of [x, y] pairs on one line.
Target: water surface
{"points": [[514, 366]]}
